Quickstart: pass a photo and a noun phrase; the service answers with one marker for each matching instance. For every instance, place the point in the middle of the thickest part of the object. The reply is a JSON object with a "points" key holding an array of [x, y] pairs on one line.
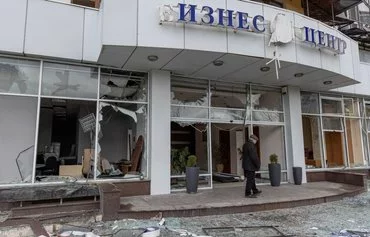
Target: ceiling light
{"points": [[327, 82], [218, 63], [299, 74], [265, 69], [152, 58]]}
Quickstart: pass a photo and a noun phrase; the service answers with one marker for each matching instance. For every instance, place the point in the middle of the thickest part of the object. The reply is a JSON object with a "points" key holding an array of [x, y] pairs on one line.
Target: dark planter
{"points": [[297, 175], [275, 174], [192, 177]]}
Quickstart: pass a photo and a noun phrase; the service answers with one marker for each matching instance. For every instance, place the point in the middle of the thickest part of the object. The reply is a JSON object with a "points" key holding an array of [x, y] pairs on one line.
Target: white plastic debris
{"points": [[162, 222], [314, 228]]}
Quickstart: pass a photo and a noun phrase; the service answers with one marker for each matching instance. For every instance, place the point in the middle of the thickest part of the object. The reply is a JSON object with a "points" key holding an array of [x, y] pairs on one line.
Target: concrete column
{"points": [[160, 132], [294, 132]]}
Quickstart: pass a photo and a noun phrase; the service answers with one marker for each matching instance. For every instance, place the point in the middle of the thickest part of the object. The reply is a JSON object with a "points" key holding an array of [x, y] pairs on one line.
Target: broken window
{"points": [[189, 138], [66, 139], [123, 85], [229, 101], [189, 99], [122, 143]]}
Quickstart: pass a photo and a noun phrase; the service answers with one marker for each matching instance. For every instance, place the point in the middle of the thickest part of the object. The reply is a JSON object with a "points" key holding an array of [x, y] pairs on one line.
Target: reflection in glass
{"points": [[331, 106], [268, 116], [122, 140], [271, 141], [266, 99], [334, 124], [310, 103], [229, 95], [19, 76], [355, 153], [66, 139], [367, 110], [188, 112], [188, 138], [17, 129], [335, 149], [69, 81], [351, 106], [123, 85], [312, 142], [190, 92]]}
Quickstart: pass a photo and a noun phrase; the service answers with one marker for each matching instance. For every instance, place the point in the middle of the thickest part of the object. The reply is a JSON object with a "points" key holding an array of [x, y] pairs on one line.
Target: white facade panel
{"points": [[206, 38], [329, 60], [160, 123], [12, 25], [92, 38], [54, 29], [120, 22], [244, 42], [356, 61], [151, 33], [287, 51], [305, 50], [363, 88], [346, 63]]}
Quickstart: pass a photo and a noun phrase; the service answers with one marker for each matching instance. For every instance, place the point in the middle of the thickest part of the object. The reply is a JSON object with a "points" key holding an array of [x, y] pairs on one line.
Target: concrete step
{"points": [[45, 209]]}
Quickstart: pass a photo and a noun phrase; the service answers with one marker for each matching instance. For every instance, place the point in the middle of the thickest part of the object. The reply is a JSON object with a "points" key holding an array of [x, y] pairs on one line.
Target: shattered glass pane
{"points": [[263, 98], [268, 116], [123, 85], [189, 92], [229, 95], [19, 76], [188, 112], [123, 145], [227, 114]]}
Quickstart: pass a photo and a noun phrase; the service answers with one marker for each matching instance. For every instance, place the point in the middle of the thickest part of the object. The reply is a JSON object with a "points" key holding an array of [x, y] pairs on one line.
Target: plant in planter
{"points": [[274, 170], [192, 174], [178, 160], [218, 153]]}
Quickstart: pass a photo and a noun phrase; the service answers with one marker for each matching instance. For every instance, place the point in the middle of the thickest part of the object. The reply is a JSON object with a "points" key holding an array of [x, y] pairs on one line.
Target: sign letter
{"points": [[208, 15], [255, 24], [191, 11], [221, 17]]}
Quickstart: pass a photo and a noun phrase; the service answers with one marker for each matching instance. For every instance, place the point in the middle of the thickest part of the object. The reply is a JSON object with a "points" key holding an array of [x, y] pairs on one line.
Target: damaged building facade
{"points": [[124, 91]]}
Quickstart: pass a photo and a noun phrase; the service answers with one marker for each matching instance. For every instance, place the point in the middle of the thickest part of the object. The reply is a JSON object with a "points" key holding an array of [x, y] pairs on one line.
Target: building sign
{"points": [[206, 15], [238, 20], [321, 39]]}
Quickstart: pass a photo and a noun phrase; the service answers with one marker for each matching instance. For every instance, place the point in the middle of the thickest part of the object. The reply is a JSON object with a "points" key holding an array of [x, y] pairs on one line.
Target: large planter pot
{"points": [[220, 168], [192, 177], [297, 175], [275, 174]]}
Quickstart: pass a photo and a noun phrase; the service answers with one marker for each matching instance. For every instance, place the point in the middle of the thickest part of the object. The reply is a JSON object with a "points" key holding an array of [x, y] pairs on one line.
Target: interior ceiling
{"points": [[235, 68]]}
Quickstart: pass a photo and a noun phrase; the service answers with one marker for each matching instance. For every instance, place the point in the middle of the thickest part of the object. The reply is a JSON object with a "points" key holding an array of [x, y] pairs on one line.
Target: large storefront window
{"points": [[64, 117], [17, 129], [341, 136], [229, 113]]}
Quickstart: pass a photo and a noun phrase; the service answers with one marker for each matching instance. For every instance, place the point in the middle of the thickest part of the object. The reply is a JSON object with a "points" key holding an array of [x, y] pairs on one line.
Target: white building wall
{"points": [[12, 25], [294, 132], [54, 30], [160, 132]]}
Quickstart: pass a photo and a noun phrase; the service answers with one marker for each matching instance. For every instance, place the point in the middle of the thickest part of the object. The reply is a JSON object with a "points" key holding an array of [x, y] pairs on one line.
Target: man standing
{"points": [[251, 164]]}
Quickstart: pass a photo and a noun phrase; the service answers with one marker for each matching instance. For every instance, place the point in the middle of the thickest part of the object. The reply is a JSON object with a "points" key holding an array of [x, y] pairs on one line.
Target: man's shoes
{"points": [[251, 196], [257, 192]]}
